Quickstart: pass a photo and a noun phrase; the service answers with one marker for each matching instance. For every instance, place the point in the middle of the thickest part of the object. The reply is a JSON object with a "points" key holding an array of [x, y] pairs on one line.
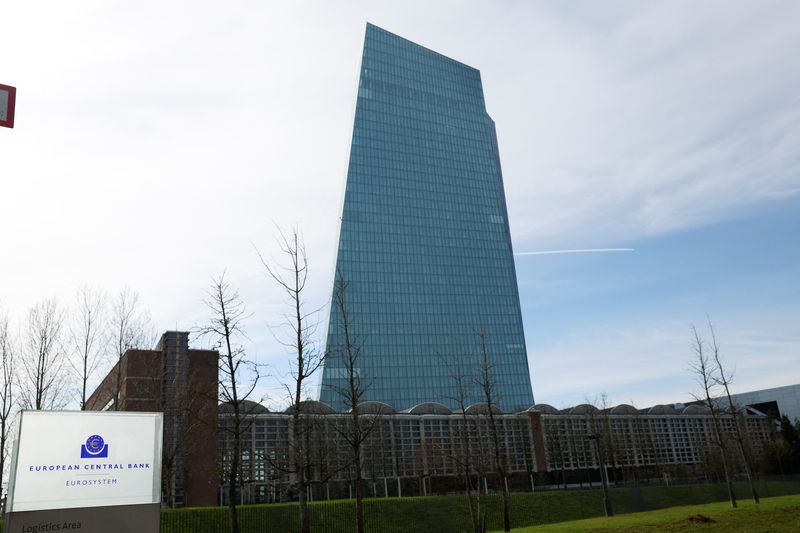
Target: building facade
{"points": [[424, 245], [181, 383], [423, 450], [653, 442], [778, 401]]}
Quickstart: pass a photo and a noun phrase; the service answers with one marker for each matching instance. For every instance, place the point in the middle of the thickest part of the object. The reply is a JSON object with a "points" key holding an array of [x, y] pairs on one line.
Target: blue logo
{"points": [[95, 447]]}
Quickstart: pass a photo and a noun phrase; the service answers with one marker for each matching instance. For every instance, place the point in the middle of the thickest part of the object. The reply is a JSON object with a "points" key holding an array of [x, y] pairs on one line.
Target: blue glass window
{"points": [[424, 242]]}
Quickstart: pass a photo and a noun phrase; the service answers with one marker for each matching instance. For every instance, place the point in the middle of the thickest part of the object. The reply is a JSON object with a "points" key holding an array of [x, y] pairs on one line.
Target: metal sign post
{"points": [[8, 100]]}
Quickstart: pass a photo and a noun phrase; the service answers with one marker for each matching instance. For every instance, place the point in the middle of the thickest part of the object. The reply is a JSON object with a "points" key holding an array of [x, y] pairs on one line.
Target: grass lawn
{"points": [[777, 514], [552, 510]]}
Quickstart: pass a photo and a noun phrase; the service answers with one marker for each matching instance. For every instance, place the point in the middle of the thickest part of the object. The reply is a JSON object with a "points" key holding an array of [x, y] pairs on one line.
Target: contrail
{"points": [[584, 251]]}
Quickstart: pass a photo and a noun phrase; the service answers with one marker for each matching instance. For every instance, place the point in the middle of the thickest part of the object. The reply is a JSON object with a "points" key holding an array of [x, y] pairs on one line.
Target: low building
{"points": [[181, 383], [423, 450], [659, 441], [418, 451]]}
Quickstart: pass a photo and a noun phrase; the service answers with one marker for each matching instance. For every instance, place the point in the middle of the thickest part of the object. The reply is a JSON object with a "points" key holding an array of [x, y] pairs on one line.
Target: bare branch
{"points": [[297, 334], [44, 383], [224, 328], [129, 329], [724, 378], [347, 356], [86, 336], [7, 391], [706, 377]]}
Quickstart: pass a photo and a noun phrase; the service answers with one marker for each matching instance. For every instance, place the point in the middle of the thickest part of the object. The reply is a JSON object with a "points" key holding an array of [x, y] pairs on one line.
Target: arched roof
{"points": [[312, 407], [545, 408], [482, 409], [375, 408], [430, 408], [582, 409], [624, 409], [662, 410], [696, 409], [246, 407]]}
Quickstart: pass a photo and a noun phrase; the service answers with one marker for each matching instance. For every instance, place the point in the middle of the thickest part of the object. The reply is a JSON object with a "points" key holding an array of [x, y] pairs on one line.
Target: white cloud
{"points": [[674, 115], [155, 141]]}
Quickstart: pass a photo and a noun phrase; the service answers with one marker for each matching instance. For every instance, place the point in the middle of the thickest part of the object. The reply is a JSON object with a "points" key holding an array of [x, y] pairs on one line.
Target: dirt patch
{"points": [[698, 519]]}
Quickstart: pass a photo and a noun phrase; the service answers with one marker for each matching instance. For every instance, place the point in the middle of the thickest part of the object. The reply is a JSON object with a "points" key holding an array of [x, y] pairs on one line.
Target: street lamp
{"points": [[603, 474]]}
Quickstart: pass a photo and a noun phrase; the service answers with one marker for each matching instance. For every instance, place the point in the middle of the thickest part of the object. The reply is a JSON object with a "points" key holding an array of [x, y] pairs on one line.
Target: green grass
{"points": [[449, 514], [778, 514], [645, 509]]}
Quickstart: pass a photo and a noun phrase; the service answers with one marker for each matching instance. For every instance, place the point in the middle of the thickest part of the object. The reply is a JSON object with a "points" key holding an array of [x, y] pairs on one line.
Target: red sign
{"points": [[8, 97]]}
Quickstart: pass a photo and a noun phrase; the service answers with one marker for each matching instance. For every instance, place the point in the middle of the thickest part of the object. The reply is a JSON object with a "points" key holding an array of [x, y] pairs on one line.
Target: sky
{"points": [[160, 143]]}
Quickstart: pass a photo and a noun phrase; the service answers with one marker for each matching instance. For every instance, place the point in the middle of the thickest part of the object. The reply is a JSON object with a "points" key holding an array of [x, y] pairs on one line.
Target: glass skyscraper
{"points": [[424, 244]]}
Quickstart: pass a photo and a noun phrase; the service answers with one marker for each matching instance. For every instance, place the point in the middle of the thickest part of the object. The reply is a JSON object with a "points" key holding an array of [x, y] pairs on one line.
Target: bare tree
{"points": [[183, 406], [299, 326], [129, 329], [225, 328], [324, 444], [642, 444], [43, 380], [554, 447], [608, 434], [347, 354], [463, 450], [487, 384], [701, 367], [724, 378], [577, 445], [87, 336], [527, 431], [7, 393]]}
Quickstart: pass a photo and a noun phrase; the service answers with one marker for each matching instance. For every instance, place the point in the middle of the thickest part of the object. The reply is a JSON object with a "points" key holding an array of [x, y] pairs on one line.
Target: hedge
{"points": [[450, 514]]}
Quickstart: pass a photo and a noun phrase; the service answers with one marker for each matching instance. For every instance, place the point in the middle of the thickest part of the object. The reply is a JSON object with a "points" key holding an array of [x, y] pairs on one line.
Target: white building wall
{"points": [[788, 399]]}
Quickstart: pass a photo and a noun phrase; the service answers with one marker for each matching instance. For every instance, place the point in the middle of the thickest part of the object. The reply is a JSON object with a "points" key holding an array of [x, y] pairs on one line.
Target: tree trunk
{"points": [[232, 514], [359, 481], [482, 508], [729, 484], [473, 511], [359, 502], [506, 514], [724, 380], [305, 526]]}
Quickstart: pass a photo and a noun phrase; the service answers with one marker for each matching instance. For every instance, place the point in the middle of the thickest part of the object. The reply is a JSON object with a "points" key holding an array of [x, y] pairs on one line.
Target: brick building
{"points": [[181, 383]]}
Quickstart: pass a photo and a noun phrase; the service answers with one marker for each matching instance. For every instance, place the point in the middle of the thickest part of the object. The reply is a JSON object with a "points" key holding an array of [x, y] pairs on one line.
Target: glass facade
{"points": [[424, 243]]}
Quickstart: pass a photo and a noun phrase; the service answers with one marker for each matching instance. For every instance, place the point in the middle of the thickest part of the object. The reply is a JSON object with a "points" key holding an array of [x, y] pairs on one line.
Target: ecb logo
{"points": [[95, 447]]}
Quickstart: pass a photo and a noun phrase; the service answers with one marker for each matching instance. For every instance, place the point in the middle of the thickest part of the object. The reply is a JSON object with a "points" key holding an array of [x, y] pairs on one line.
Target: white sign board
{"points": [[69, 459]]}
